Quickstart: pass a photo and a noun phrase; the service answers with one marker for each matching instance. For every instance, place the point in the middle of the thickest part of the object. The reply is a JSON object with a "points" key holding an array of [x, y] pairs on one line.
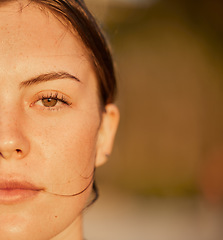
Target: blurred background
{"points": [[164, 179]]}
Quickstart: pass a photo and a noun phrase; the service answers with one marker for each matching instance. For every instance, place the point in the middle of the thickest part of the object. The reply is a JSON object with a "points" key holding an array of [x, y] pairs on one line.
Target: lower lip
{"points": [[11, 196]]}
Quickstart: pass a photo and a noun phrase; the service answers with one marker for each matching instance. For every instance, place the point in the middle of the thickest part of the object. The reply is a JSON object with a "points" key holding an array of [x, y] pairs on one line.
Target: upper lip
{"points": [[15, 184]]}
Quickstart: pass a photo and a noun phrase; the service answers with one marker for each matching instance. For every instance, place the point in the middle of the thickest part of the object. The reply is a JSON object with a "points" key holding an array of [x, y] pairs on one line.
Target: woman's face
{"points": [[49, 123]]}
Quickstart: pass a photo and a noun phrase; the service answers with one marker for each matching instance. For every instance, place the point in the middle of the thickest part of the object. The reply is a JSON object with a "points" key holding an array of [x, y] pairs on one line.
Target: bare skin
{"points": [[52, 131]]}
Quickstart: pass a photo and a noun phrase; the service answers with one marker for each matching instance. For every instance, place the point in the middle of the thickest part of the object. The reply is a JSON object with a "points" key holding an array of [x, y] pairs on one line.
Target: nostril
{"points": [[19, 153]]}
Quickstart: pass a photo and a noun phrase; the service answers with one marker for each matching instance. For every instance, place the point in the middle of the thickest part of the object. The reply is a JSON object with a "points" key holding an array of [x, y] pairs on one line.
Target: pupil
{"points": [[49, 102]]}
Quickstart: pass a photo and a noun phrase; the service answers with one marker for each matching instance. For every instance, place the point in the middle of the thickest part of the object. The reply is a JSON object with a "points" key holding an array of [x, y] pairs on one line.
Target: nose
{"points": [[13, 142]]}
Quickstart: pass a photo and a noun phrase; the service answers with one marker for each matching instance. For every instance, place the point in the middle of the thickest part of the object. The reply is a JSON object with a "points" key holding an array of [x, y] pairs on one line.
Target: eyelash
{"points": [[59, 97]]}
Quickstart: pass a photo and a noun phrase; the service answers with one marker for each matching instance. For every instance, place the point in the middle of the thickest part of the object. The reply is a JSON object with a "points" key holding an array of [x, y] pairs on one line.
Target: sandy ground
{"points": [[117, 216]]}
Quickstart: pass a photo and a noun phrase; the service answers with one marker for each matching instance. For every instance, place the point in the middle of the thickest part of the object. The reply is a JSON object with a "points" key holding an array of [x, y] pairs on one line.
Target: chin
{"points": [[14, 227], [20, 227]]}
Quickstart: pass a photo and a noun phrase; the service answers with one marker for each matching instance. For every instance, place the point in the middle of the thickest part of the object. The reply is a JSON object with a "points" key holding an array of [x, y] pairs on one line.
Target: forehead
{"points": [[30, 31]]}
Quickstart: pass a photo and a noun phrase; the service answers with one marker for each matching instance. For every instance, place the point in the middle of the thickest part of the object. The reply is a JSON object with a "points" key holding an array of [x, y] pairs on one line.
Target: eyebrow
{"points": [[47, 77]]}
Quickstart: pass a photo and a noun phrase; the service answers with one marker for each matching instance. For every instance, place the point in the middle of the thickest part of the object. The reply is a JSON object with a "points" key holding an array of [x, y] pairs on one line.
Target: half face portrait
{"points": [[55, 127]]}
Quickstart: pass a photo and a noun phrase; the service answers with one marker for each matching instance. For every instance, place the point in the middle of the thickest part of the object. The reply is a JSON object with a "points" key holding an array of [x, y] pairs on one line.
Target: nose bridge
{"points": [[9, 117], [13, 142], [8, 127]]}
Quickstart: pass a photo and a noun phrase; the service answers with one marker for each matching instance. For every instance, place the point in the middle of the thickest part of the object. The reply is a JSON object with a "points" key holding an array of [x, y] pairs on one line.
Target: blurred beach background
{"points": [[164, 179]]}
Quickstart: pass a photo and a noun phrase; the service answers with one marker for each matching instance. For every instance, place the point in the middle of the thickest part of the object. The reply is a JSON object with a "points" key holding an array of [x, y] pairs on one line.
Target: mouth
{"points": [[12, 192]]}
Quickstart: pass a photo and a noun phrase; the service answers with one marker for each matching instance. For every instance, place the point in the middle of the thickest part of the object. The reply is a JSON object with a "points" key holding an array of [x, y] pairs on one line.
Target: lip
{"points": [[13, 191]]}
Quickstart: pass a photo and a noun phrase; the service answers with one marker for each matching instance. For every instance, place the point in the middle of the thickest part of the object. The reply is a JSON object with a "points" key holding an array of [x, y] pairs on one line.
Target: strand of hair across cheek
{"points": [[74, 194]]}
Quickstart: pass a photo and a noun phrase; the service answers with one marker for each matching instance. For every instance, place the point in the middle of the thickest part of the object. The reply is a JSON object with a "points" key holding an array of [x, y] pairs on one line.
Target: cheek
{"points": [[67, 150]]}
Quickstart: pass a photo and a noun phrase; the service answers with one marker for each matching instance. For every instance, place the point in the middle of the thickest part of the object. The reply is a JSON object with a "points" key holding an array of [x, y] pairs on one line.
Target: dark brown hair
{"points": [[76, 13]]}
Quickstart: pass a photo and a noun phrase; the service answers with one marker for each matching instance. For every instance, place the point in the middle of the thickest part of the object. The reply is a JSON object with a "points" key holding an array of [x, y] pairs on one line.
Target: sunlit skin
{"points": [[53, 132]]}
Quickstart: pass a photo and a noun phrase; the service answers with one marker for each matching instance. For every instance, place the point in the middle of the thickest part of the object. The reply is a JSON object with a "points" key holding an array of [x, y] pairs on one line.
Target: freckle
{"points": [[55, 216]]}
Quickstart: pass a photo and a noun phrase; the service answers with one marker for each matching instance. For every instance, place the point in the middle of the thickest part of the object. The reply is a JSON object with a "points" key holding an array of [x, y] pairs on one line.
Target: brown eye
{"points": [[49, 102]]}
